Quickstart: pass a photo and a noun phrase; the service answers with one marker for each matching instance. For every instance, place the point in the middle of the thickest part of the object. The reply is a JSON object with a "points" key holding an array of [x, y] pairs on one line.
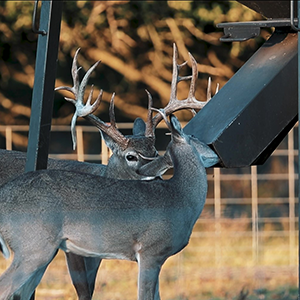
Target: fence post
{"points": [[80, 146], [8, 138], [291, 170]]}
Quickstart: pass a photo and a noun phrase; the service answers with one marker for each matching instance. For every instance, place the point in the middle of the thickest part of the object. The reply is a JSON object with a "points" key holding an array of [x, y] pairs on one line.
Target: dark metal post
{"points": [[298, 4], [298, 81], [43, 90]]}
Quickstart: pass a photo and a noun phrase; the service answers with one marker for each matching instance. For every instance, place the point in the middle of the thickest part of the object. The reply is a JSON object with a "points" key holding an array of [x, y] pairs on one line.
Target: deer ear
{"points": [[139, 127], [110, 143], [175, 124], [176, 130]]}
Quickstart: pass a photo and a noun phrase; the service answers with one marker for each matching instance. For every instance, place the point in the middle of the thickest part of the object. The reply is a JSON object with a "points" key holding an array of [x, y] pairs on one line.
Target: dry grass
{"points": [[217, 264]]}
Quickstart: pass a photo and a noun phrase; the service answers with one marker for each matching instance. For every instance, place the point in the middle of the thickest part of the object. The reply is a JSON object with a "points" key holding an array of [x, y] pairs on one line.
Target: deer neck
{"points": [[190, 182], [188, 167], [115, 169]]}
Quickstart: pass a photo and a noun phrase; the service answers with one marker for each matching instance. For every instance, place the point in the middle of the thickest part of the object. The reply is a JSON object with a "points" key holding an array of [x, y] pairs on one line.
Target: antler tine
{"points": [[149, 132], [82, 110], [95, 105], [175, 76], [190, 102], [112, 117], [176, 68], [83, 84], [74, 71], [217, 88], [73, 130], [191, 96], [208, 92], [110, 129]]}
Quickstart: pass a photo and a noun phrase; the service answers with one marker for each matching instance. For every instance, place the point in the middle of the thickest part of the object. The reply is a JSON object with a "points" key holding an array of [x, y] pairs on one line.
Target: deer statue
{"points": [[129, 154]]}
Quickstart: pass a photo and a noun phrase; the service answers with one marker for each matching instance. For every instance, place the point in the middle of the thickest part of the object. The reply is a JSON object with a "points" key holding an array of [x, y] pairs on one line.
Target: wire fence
{"points": [[249, 224]]}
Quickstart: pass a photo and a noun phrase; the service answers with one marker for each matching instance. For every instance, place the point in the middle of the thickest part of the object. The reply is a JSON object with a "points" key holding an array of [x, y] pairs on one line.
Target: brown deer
{"points": [[89, 215], [130, 153]]}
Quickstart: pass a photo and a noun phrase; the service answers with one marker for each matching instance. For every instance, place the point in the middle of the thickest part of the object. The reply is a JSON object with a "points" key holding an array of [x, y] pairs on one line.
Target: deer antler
{"points": [[86, 110], [208, 93], [149, 132], [190, 102]]}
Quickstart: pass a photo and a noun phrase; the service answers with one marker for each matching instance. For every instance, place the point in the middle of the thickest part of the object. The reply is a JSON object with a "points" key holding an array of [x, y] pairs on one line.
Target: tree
{"points": [[133, 39]]}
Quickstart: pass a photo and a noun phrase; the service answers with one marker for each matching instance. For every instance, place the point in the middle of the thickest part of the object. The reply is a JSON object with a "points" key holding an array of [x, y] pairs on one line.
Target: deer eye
{"points": [[131, 157]]}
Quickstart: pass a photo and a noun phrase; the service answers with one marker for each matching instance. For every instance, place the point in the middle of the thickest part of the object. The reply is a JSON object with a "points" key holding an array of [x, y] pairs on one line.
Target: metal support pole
{"points": [[298, 4], [43, 90], [298, 30]]}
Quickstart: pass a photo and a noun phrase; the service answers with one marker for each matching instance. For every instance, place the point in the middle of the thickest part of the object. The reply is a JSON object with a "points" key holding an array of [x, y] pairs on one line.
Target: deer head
{"points": [[131, 152]]}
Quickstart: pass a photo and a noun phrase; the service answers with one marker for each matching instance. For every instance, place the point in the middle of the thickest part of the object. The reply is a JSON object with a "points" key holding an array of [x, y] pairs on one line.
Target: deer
{"points": [[96, 216], [138, 149], [129, 153]]}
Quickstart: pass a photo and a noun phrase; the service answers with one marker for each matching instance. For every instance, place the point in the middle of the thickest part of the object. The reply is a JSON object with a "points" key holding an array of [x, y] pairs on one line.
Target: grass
{"points": [[220, 263]]}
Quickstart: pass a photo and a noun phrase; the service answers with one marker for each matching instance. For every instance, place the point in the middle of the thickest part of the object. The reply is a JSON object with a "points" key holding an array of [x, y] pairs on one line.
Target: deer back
{"points": [[12, 164], [73, 201]]}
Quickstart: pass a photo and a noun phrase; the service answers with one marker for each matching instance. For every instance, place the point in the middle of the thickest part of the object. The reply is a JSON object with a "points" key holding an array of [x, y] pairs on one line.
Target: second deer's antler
{"points": [[86, 110]]}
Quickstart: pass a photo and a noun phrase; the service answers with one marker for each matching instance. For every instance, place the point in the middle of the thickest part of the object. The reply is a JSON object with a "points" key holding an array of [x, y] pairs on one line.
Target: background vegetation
{"points": [[133, 40]]}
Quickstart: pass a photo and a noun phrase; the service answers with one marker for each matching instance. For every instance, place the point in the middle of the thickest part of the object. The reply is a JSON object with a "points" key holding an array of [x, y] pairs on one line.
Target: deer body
{"points": [[83, 270], [12, 164], [99, 217], [102, 217], [127, 220]]}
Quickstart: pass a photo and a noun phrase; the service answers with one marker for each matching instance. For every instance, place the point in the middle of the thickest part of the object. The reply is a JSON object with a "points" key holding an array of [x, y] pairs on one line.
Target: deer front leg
{"points": [[83, 271], [148, 287]]}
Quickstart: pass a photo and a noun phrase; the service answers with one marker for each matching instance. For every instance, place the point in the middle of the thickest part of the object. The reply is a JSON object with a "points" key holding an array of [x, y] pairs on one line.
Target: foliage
{"points": [[133, 39]]}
